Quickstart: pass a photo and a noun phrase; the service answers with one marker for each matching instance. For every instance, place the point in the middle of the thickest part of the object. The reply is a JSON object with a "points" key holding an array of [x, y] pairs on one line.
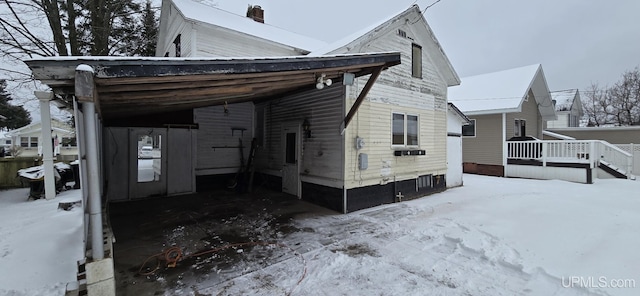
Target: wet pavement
{"points": [[211, 238]]}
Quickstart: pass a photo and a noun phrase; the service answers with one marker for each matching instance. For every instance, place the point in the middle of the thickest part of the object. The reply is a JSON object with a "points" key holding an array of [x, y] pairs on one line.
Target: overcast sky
{"points": [[576, 41]]}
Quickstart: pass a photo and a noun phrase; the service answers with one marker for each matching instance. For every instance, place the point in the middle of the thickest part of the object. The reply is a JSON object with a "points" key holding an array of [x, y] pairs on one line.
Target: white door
{"points": [[454, 161], [148, 168], [291, 159]]}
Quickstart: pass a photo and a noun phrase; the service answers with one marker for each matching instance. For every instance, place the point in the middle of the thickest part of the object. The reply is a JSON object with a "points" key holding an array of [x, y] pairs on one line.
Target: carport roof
{"points": [[128, 86]]}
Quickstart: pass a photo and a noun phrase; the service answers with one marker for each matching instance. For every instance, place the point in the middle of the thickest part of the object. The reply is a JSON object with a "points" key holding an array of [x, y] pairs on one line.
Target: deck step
{"points": [[612, 170]]}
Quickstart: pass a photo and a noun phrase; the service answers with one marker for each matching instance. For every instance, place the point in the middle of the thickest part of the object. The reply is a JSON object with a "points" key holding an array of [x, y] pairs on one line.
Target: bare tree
{"points": [[625, 98], [595, 102], [618, 105]]}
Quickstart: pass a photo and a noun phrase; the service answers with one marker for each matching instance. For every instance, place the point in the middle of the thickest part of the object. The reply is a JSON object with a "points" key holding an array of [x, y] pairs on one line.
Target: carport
{"points": [[105, 91]]}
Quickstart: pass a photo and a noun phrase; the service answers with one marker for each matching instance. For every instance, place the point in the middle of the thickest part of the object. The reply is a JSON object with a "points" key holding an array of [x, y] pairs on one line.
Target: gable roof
{"points": [[397, 19], [206, 14], [502, 92], [37, 126], [564, 99]]}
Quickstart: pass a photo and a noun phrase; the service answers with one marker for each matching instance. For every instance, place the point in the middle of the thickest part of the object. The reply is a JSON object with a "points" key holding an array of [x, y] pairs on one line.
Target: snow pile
{"points": [[39, 244]]}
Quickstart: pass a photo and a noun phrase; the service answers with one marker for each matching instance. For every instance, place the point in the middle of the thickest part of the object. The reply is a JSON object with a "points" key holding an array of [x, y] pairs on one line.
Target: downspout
{"points": [[85, 93], [504, 141], [47, 148]]}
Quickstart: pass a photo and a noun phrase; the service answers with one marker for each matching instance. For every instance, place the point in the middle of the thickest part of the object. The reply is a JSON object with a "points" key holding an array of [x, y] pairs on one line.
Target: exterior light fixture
{"points": [[306, 128], [322, 81]]}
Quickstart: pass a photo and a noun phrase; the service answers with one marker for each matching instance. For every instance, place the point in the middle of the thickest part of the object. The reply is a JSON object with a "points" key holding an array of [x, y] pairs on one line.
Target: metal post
{"points": [[86, 94], [47, 147], [95, 200]]}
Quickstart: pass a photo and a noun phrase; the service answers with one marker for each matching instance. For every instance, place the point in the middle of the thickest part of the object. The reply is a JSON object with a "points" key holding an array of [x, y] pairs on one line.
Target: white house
{"points": [[391, 142], [28, 140], [568, 108]]}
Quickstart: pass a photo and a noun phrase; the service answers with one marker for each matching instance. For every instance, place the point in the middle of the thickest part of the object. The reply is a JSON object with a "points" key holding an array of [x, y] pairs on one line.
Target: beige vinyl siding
{"points": [[486, 146], [322, 153], [215, 41], [529, 113], [396, 91]]}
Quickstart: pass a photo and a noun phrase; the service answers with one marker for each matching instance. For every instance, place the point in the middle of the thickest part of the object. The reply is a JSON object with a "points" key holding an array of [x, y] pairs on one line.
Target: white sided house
{"points": [[568, 108], [27, 141], [334, 146]]}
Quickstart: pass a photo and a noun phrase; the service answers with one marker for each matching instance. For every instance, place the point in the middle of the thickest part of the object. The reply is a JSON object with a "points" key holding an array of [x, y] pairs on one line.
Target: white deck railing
{"points": [[590, 152]]}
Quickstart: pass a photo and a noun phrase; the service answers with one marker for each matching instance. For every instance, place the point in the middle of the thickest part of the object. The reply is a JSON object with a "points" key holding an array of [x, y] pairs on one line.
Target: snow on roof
{"points": [[222, 18], [352, 37], [564, 99], [501, 91]]}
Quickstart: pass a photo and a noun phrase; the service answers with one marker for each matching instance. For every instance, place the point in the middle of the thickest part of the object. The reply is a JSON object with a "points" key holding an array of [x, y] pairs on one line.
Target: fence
{"points": [[633, 149], [9, 170]]}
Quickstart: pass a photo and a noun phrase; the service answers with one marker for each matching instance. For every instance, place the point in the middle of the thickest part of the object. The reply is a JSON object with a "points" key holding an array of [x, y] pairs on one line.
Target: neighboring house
{"points": [[568, 108], [28, 140], [330, 146], [502, 105], [455, 121]]}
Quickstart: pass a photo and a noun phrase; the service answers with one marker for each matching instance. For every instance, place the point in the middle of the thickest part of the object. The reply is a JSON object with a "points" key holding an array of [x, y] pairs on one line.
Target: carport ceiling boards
{"points": [[129, 86]]}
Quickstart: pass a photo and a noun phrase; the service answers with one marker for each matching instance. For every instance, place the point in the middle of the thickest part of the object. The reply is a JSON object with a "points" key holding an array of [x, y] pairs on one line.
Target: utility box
{"points": [[363, 161]]}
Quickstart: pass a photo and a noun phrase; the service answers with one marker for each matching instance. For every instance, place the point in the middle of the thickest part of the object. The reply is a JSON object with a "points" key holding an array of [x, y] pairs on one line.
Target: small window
{"points": [[24, 142], [7, 142], [176, 42], [423, 182], [402, 33], [405, 130], [34, 142], [520, 128], [416, 61], [470, 129]]}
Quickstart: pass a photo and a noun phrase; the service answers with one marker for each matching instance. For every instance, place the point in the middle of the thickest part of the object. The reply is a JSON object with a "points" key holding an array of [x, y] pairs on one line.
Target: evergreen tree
{"points": [[16, 116]]}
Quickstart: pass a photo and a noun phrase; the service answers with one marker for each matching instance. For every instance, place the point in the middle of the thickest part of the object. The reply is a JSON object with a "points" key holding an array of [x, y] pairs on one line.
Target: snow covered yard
{"points": [[494, 236], [39, 243]]}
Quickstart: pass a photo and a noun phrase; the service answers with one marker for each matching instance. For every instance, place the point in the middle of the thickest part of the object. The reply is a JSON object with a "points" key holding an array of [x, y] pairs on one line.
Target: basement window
{"points": [[423, 182], [416, 61]]}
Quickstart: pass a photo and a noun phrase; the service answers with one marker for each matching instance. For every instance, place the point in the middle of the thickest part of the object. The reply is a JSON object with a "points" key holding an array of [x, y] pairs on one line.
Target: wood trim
{"points": [[361, 97]]}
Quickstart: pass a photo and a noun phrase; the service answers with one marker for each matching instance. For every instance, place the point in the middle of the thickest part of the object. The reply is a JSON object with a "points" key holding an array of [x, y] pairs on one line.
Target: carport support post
{"points": [[85, 93], [47, 148]]}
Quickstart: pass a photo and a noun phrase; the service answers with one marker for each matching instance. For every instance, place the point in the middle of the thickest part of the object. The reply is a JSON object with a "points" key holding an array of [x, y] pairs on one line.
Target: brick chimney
{"points": [[256, 13]]}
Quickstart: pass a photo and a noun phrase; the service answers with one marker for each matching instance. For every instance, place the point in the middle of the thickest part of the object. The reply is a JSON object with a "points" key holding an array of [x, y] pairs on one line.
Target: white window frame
{"points": [[405, 130], [475, 129]]}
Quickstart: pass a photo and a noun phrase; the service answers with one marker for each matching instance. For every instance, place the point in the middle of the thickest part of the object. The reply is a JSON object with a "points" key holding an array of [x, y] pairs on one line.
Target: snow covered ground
{"points": [[494, 236], [39, 243]]}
